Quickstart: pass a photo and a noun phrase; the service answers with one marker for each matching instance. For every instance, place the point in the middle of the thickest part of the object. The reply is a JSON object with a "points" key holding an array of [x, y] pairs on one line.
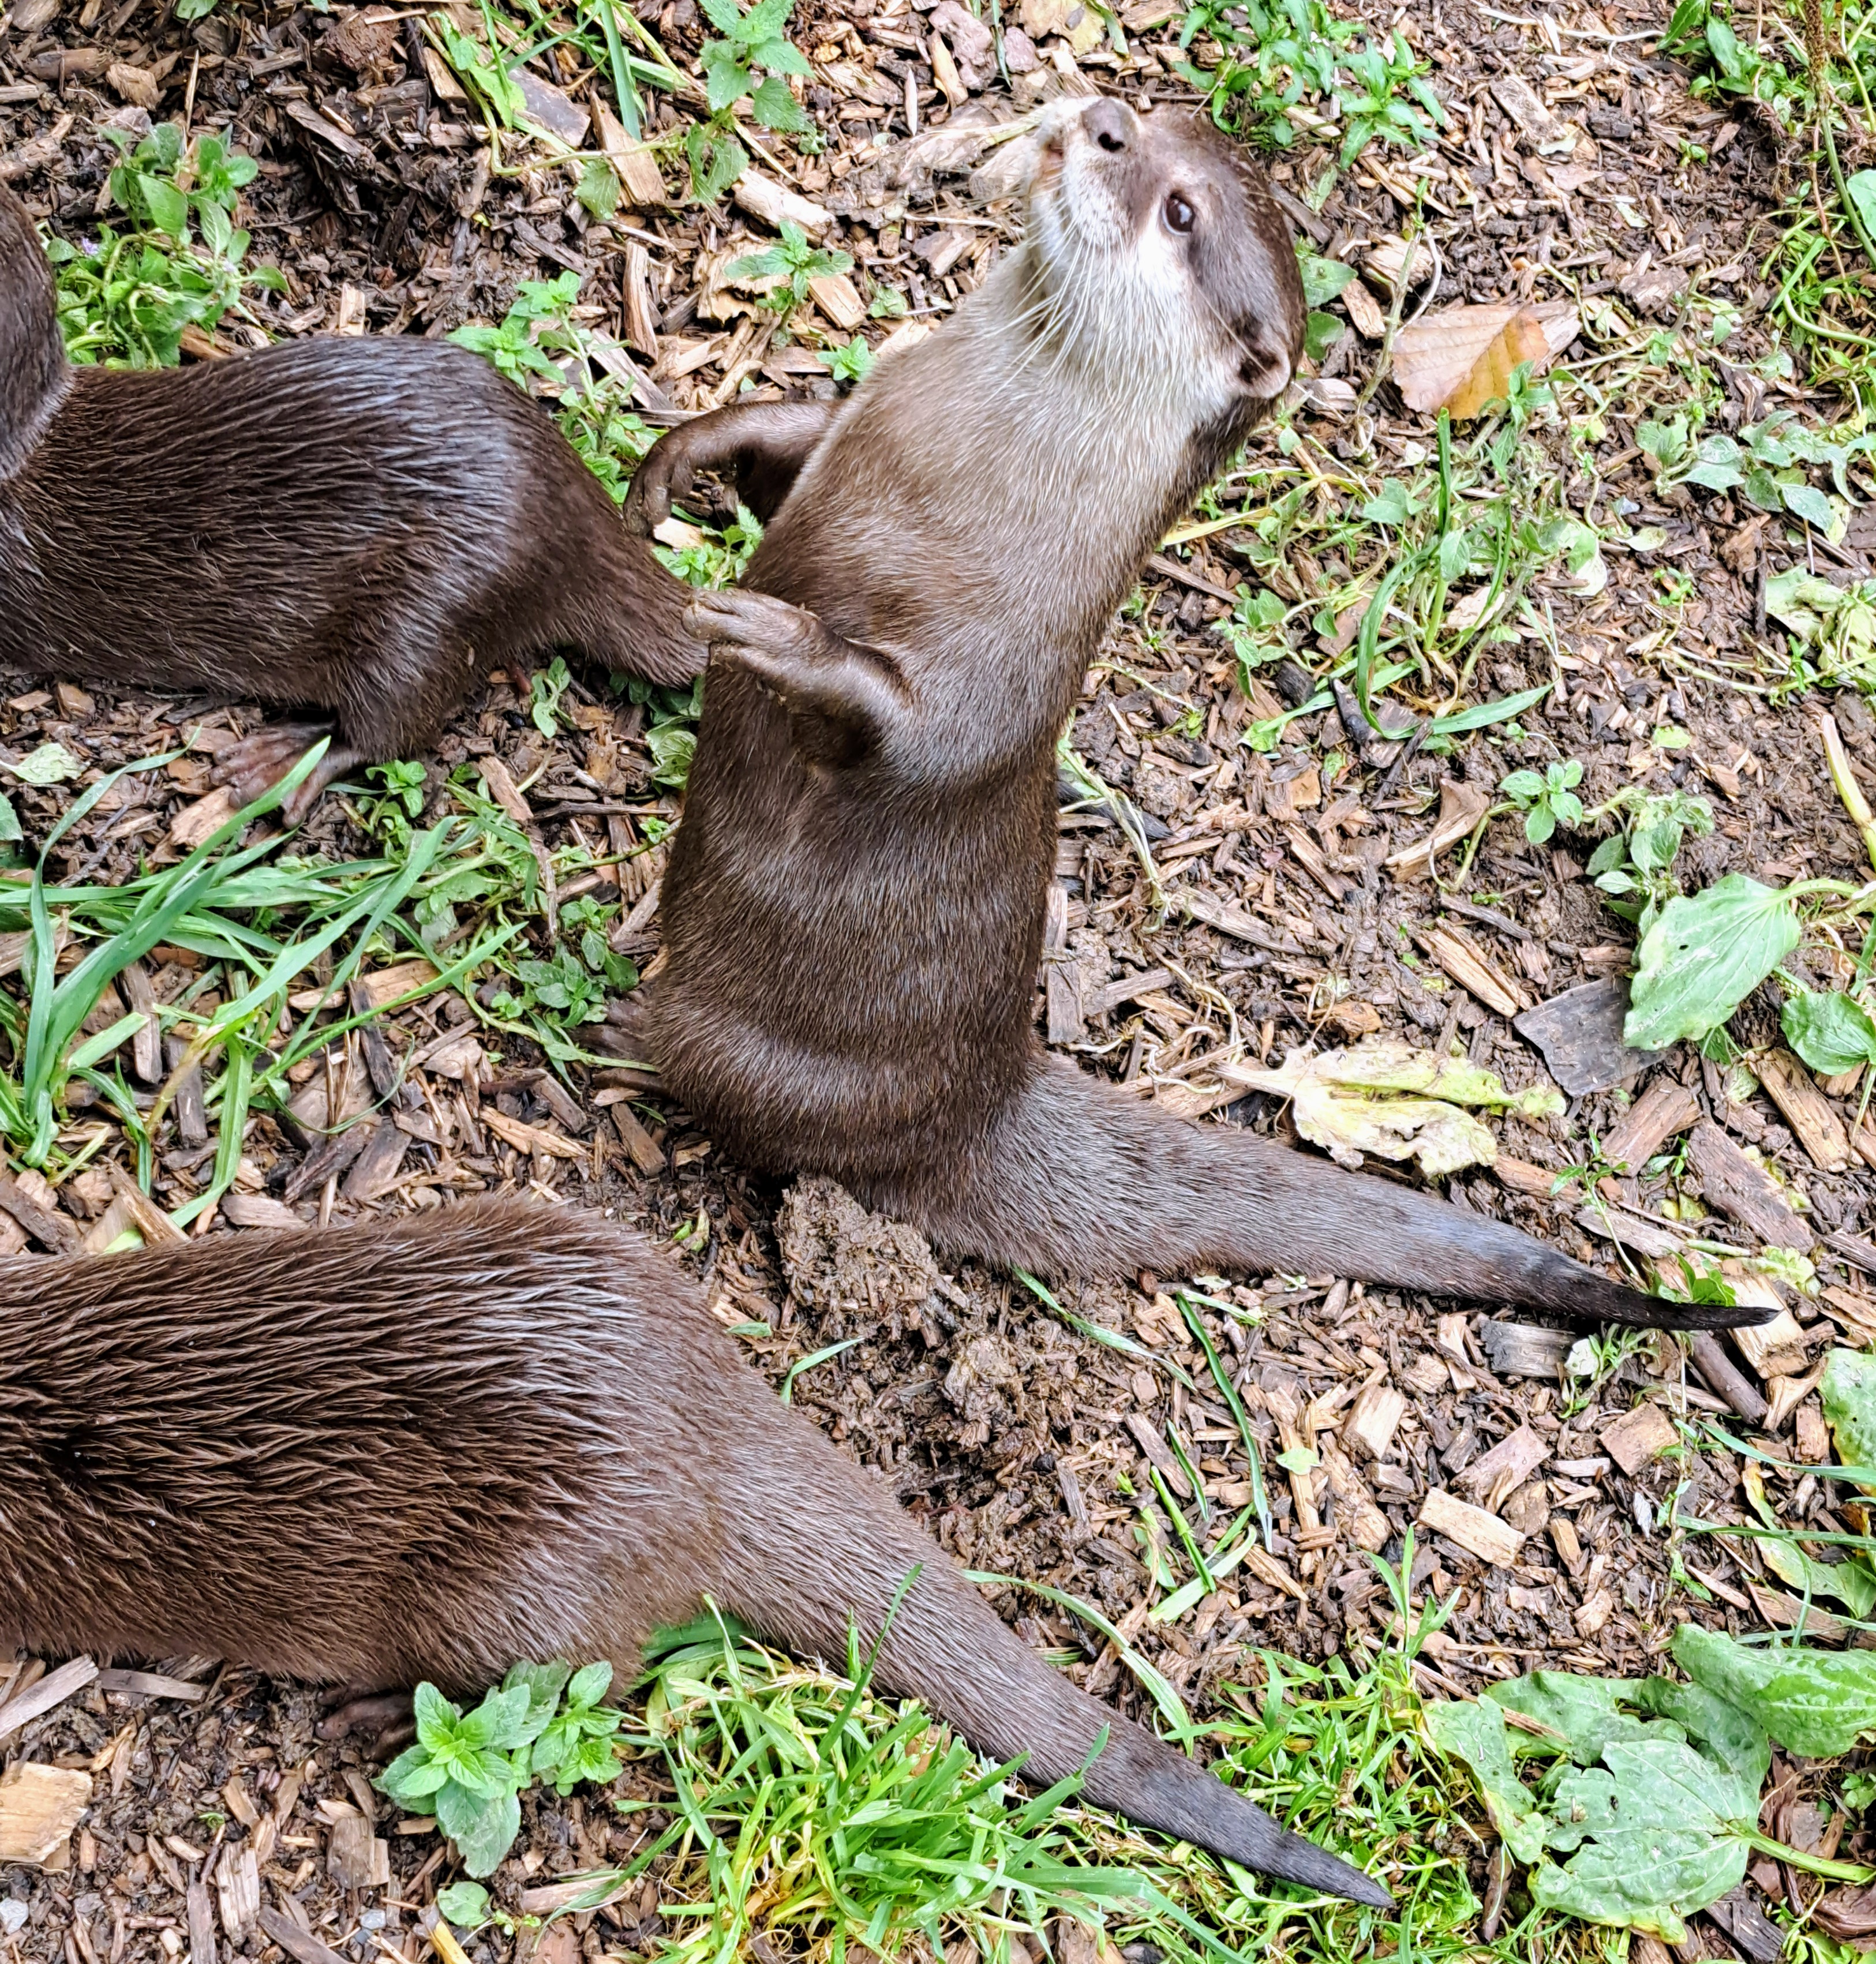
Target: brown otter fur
{"points": [[429, 1450], [854, 906], [363, 526]]}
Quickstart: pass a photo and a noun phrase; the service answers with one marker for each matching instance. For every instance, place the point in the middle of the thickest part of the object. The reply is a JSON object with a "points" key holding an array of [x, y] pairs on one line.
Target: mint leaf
{"points": [[436, 1718], [543, 1683], [466, 1904], [413, 1776], [482, 1827], [589, 1685], [1323, 280]]}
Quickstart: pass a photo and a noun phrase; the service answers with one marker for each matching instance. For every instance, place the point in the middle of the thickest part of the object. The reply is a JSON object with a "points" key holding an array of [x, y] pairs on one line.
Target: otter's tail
{"points": [[625, 608], [830, 1551], [1078, 1175], [33, 372]]}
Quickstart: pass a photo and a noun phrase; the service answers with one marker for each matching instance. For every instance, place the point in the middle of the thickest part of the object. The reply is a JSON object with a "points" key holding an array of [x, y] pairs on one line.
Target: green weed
{"points": [[1548, 799], [792, 264], [1291, 67], [546, 1723], [127, 299], [748, 45]]}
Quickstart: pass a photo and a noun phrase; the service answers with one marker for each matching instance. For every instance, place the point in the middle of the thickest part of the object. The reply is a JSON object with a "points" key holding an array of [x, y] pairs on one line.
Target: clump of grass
{"points": [[806, 1807], [260, 919]]}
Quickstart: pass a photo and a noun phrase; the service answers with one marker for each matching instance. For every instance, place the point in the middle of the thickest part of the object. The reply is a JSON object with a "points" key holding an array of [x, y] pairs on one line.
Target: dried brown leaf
{"points": [[1462, 357]]}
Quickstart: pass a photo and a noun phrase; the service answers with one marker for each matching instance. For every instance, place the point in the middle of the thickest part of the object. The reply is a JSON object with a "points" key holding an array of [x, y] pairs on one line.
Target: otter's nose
{"points": [[1111, 124]]}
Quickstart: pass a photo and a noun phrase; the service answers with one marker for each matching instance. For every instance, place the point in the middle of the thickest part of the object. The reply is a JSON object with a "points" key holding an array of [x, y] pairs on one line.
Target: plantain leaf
{"points": [[1704, 956], [1819, 1703], [1831, 1033]]}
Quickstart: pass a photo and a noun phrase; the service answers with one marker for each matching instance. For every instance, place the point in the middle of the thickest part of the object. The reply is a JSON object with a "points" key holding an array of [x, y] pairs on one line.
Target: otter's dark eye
{"points": [[1180, 216]]}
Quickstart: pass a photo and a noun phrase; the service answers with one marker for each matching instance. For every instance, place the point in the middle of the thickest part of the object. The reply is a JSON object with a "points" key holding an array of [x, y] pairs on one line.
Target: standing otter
{"points": [[853, 910], [361, 527], [361, 1455]]}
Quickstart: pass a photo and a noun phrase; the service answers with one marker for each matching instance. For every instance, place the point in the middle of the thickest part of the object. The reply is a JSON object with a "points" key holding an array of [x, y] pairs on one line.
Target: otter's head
{"points": [[1161, 250]]}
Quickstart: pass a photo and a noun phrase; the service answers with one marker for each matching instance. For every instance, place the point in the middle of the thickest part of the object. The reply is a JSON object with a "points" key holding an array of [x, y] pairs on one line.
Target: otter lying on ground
{"points": [[365, 527], [431, 1449]]}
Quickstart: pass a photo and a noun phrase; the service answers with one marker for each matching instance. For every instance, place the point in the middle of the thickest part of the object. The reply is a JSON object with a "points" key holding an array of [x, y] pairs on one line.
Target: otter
{"points": [[429, 1448], [364, 526], [853, 910]]}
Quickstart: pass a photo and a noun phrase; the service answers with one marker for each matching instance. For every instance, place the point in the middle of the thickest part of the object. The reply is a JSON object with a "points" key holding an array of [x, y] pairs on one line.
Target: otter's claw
{"points": [[738, 617], [664, 476]]}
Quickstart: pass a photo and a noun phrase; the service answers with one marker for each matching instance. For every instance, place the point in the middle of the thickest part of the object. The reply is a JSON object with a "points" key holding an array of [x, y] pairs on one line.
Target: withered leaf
{"points": [[1462, 357]]}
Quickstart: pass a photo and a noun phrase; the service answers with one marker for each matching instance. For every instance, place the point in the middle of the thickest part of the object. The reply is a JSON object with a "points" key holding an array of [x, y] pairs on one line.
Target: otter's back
{"points": [[322, 1452]]}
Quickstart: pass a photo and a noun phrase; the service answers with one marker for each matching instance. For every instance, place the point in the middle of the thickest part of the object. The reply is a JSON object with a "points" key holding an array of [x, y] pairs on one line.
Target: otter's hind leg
{"points": [[258, 763]]}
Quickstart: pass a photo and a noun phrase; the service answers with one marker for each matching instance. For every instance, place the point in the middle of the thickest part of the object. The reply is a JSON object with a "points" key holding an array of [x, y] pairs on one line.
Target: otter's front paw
{"points": [[738, 617], [664, 475]]}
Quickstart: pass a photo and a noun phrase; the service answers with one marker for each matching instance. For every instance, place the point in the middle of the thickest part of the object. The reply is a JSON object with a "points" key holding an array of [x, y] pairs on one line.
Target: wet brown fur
{"points": [[359, 527], [853, 910], [428, 1450]]}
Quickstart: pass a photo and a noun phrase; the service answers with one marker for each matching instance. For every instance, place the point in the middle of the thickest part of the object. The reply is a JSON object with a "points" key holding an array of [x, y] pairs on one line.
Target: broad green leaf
{"points": [[1704, 957], [1651, 1845], [413, 1776], [1320, 333], [10, 831], [483, 1828], [500, 1720], [1323, 279], [1523, 785], [543, 1683], [1390, 506], [1807, 501], [726, 74], [466, 1904], [1474, 1732], [1819, 1703], [436, 1718], [1846, 1582], [1654, 1809], [776, 108], [1848, 1395], [51, 764], [589, 1685], [1831, 1033], [598, 187], [671, 749], [168, 207]]}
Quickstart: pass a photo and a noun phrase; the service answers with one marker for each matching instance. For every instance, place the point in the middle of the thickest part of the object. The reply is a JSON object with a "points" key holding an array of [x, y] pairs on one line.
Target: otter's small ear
{"points": [[1265, 373]]}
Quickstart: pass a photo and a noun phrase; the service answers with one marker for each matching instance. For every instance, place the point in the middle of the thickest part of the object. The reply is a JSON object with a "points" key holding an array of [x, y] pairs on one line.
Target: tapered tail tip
{"points": [[1655, 1312], [1297, 1860]]}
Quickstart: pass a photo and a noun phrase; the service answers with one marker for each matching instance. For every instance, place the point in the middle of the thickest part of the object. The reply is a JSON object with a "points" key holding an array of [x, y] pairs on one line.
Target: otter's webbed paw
{"points": [[763, 445], [843, 698]]}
